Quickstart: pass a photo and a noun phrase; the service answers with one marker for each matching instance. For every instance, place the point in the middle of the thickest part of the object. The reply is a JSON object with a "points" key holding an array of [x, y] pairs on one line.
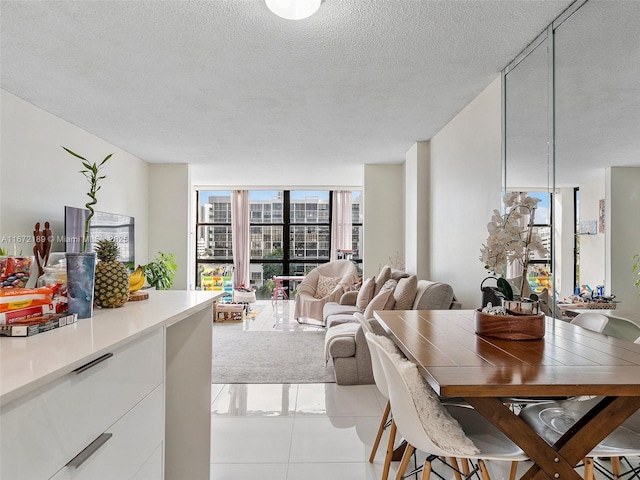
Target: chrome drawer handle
{"points": [[89, 450], [93, 363]]}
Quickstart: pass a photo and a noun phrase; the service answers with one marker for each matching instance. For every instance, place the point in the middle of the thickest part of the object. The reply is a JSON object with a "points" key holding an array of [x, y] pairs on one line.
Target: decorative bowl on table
{"points": [[510, 327]]}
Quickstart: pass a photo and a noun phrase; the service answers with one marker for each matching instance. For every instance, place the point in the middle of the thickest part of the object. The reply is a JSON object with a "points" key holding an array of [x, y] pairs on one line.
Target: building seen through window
{"points": [[290, 234]]}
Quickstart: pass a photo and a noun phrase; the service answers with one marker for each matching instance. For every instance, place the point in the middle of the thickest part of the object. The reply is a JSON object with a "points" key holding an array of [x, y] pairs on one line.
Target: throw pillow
{"points": [[325, 286], [365, 294], [405, 293], [382, 277], [389, 285], [382, 301]]}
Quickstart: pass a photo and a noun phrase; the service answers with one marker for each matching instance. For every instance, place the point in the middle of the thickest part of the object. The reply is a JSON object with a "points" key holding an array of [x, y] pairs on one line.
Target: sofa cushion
{"points": [[382, 277], [340, 318], [366, 292], [326, 285], [334, 308], [382, 301], [405, 293]]}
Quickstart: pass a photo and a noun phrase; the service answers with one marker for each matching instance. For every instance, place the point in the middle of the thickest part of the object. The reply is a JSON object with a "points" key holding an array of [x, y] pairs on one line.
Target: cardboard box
{"points": [[229, 312]]}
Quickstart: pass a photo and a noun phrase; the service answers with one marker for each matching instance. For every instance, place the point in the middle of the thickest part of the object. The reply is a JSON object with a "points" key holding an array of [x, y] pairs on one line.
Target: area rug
{"points": [[269, 357]]}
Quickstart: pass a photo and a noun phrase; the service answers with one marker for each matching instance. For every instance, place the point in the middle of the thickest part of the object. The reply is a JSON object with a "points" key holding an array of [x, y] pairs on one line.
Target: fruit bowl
{"points": [[510, 327]]}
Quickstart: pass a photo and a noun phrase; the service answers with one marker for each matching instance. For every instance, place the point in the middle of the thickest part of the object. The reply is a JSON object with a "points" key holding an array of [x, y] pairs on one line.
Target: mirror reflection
{"points": [[596, 176]]}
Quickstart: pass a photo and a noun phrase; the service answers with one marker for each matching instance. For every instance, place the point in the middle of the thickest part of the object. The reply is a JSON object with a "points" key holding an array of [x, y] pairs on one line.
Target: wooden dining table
{"points": [[567, 361]]}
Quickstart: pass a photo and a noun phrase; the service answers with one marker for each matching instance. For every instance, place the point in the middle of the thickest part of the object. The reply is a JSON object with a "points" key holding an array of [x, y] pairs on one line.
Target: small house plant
{"points": [[161, 272], [81, 266], [92, 174]]}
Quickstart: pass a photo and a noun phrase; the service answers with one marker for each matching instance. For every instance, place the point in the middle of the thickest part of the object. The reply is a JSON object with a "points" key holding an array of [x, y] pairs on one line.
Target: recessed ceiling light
{"points": [[293, 9]]}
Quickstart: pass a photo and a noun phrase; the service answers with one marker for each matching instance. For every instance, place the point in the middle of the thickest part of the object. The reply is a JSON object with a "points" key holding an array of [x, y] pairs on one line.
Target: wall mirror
{"points": [[528, 166], [592, 131]]}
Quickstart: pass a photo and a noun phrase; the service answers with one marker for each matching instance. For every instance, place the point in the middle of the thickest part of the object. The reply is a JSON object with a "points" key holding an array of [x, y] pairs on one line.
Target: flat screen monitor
{"points": [[102, 225]]}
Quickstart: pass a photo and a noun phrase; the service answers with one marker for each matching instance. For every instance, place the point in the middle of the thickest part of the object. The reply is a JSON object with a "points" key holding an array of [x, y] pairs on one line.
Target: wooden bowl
{"points": [[510, 327]]}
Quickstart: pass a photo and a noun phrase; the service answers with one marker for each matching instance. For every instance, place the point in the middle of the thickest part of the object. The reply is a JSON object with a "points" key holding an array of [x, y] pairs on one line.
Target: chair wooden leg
{"points": [[588, 468], [483, 470], [465, 467], [426, 470], [456, 467], [383, 422], [387, 458], [404, 462], [513, 470], [616, 467]]}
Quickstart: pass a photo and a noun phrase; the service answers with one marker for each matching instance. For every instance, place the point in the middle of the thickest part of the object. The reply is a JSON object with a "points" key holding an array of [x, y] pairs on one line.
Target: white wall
{"points": [[592, 247], [564, 228], [39, 178], [169, 218], [383, 217], [263, 174], [622, 218], [417, 211], [465, 189]]}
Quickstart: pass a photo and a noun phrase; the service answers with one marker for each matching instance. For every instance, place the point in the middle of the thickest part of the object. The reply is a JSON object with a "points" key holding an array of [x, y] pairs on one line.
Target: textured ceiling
{"points": [[225, 80]]}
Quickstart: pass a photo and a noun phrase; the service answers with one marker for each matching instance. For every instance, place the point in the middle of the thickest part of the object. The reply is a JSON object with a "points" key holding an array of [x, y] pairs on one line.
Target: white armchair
{"points": [[325, 283]]}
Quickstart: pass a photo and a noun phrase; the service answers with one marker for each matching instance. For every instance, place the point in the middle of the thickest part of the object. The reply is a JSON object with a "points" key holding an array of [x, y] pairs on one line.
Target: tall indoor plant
{"points": [[81, 266]]}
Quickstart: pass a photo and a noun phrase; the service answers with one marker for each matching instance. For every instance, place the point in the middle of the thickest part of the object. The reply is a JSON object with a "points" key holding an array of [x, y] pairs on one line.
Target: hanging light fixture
{"points": [[293, 9]]}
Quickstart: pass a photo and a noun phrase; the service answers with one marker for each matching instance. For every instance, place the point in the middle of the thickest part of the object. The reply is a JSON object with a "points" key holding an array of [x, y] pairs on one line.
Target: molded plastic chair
{"points": [[550, 421], [591, 321], [491, 443], [381, 383]]}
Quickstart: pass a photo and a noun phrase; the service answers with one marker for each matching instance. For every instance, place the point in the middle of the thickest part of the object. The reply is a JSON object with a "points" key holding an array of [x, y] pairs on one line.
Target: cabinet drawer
{"points": [[134, 445], [44, 429]]}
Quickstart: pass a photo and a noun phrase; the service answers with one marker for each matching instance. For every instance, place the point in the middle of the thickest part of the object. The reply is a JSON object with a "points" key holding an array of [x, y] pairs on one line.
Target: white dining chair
{"points": [[381, 383], [440, 431], [591, 321], [552, 420]]}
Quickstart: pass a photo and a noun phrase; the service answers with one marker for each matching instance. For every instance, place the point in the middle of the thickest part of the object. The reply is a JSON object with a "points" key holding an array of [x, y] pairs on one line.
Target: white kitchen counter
{"points": [[152, 379], [27, 363]]}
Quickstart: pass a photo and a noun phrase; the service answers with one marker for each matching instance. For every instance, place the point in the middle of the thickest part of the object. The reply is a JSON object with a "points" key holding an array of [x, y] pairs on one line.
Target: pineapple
{"points": [[112, 278]]}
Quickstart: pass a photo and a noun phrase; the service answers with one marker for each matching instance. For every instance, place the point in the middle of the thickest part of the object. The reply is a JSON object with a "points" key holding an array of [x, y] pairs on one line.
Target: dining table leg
{"points": [[557, 461]]}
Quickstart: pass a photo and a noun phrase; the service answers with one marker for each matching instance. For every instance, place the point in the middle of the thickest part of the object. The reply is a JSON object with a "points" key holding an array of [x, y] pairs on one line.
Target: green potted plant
{"points": [[81, 266], [161, 272]]}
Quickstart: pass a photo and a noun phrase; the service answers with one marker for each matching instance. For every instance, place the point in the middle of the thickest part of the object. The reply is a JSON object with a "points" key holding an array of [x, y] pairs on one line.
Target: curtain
{"points": [[240, 237], [341, 217]]}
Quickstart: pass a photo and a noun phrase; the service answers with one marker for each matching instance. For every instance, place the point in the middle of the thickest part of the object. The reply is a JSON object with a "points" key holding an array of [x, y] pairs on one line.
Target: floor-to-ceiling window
{"points": [[539, 268], [290, 234]]}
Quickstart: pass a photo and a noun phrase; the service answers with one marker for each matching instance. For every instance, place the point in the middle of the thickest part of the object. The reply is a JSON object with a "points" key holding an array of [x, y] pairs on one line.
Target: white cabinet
{"points": [[146, 391], [132, 443], [48, 427]]}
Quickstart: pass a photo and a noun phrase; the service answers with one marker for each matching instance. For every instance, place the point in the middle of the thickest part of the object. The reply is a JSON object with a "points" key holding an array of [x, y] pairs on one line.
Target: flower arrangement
{"points": [[512, 239]]}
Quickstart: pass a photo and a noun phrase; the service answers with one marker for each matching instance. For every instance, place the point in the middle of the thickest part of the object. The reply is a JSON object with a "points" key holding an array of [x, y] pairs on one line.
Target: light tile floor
{"points": [[300, 432]]}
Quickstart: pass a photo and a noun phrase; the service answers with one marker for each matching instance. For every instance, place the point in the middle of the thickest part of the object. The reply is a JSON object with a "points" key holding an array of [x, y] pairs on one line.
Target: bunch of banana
{"points": [[136, 279]]}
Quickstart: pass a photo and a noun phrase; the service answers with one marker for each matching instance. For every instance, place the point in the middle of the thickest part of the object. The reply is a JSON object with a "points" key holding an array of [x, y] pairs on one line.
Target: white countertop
{"points": [[27, 363]]}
